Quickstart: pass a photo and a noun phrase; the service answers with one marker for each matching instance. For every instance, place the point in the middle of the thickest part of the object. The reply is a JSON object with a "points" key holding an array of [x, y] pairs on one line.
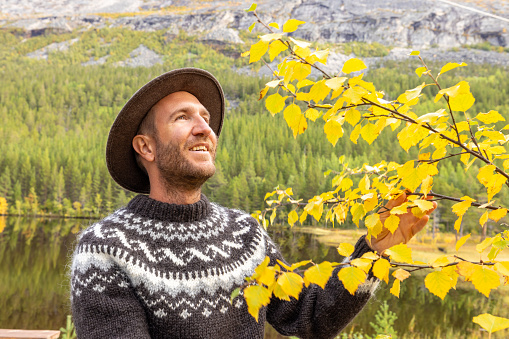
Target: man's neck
{"points": [[178, 197]]}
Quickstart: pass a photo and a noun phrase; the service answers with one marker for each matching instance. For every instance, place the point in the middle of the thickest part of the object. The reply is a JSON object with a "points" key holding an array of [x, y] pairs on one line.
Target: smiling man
{"points": [[165, 265]]}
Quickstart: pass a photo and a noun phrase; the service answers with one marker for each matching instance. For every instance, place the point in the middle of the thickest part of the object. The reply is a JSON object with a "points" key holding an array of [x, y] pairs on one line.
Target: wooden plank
{"points": [[29, 334]]}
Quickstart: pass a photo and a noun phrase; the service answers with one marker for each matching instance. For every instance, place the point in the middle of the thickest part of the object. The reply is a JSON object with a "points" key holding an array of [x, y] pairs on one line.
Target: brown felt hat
{"points": [[120, 154]]}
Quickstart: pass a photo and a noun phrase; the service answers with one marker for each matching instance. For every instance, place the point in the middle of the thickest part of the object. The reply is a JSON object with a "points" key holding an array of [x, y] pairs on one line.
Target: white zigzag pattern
{"points": [[215, 224], [208, 254], [192, 283]]}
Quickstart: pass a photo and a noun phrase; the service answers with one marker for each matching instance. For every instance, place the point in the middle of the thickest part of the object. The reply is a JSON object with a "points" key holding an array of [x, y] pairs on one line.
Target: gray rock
{"points": [[141, 57], [223, 35], [42, 53], [93, 62]]}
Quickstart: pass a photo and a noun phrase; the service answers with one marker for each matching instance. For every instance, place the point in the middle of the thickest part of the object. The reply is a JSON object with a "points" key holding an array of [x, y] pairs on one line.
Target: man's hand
{"points": [[409, 225]]}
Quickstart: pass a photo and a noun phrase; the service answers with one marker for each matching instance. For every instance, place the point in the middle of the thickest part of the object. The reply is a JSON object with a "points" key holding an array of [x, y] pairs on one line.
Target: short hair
{"points": [[147, 127]]}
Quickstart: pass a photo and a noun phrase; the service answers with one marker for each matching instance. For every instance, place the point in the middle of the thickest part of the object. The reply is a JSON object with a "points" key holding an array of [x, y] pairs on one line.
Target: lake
{"points": [[34, 291]]}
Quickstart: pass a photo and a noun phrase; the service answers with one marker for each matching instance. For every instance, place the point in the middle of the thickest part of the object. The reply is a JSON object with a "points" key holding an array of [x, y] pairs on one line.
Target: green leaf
{"points": [[251, 8], [234, 294]]}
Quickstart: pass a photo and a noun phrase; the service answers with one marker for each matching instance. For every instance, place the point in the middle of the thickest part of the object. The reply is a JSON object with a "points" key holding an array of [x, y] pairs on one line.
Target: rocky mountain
{"points": [[415, 24]]}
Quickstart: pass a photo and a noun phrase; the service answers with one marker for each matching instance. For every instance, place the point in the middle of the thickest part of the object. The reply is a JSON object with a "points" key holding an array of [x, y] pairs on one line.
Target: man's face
{"points": [[185, 143]]}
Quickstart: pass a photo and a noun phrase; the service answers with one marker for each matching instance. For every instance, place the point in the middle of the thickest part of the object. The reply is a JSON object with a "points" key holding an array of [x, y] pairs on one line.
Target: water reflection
{"points": [[34, 287]]}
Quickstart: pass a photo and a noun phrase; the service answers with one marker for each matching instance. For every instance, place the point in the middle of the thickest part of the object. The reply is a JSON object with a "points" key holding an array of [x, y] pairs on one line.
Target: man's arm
{"points": [[104, 304], [320, 313]]}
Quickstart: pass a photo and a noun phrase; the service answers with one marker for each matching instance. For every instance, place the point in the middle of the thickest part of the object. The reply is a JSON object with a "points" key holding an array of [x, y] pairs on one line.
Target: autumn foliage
{"points": [[345, 98]]}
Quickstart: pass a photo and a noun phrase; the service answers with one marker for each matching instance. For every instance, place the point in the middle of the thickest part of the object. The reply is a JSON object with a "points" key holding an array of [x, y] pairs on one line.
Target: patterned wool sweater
{"points": [[157, 270]]}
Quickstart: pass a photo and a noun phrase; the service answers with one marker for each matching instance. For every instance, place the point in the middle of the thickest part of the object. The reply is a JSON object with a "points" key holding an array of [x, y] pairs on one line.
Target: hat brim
{"points": [[120, 155]]}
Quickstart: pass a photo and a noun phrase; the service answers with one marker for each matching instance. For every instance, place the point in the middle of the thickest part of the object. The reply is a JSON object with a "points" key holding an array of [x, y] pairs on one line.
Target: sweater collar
{"points": [[154, 209]]}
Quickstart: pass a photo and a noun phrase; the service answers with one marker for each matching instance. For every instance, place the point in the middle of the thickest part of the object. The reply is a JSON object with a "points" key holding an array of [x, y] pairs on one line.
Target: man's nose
{"points": [[202, 127]]}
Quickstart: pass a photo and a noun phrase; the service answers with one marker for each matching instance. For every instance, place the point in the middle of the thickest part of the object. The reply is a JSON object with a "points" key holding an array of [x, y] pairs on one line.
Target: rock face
{"points": [[415, 24], [141, 57], [54, 47]]}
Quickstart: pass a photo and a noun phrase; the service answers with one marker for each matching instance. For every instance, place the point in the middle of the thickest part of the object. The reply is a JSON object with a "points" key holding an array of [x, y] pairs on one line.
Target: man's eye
{"points": [[181, 117]]}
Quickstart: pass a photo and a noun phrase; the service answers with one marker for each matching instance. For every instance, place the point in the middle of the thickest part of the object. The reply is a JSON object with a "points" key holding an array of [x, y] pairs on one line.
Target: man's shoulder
{"points": [[96, 232]]}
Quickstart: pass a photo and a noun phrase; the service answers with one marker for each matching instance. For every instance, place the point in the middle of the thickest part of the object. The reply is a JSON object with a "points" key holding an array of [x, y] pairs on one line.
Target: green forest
{"points": [[56, 115]]}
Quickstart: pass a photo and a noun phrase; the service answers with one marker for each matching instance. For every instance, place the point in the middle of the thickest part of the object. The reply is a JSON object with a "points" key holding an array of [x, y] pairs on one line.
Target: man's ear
{"points": [[145, 147]]}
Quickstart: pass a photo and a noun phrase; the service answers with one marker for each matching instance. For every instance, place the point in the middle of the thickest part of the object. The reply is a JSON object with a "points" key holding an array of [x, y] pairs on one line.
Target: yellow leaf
{"points": [[411, 94], [440, 261], [466, 269], [355, 134], [319, 91], [304, 83], [462, 241], [424, 205], [352, 116], [264, 274], [244, 54], [427, 184], [482, 246], [353, 65], [292, 25], [357, 213], [275, 48], [438, 283], [368, 133], [484, 218], [250, 28], [318, 274], [270, 37], [303, 217], [295, 119], [263, 92], [461, 207], [354, 95], [301, 71], [335, 83], [491, 323], [503, 267], [415, 53], [396, 286], [333, 129], [400, 253], [490, 117], [256, 296], [460, 98], [381, 269], [292, 217], [401, 209], [449, 66], [251, 8], [496, 215], [291, 283], [484, 280], [345, 249], [362, 263], [257, 51], [392, 223], [351, 277], [401, 274], [275, 103], [274, 24], [420, 70]]}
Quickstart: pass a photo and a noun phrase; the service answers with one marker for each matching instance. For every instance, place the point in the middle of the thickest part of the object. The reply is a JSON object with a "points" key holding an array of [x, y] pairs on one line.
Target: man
{"points": [[165, 265]]}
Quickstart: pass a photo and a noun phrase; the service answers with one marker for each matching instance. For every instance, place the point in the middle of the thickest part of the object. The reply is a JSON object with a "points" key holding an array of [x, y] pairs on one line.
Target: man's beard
{"points": [[177, 172]]}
